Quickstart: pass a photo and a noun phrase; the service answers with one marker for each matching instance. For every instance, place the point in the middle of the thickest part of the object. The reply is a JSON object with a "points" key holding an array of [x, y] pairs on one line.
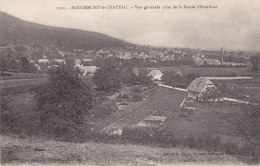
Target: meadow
{"points": [[203, 72]]}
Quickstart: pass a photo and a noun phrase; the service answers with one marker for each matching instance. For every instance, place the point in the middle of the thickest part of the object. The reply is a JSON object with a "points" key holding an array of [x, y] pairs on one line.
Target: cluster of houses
{"points": [[201, 60]]}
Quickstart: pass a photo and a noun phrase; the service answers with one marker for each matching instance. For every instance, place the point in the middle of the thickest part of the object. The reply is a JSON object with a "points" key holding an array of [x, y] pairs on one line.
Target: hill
{"points": [[17, 31]]}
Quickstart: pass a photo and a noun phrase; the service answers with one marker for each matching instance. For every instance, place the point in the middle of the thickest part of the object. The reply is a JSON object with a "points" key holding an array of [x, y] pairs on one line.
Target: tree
{"points": [[211, 93], [255, 61], [107, 77], [64, 100], [25, 65], [3, 65], [173, 79]]}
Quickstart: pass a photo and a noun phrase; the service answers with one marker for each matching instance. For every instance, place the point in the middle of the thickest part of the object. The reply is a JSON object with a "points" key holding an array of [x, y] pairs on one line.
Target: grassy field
{"points": [[210, 71], [208, 119], [13, 75], [246, 90], [37, 151], [18, 83]]}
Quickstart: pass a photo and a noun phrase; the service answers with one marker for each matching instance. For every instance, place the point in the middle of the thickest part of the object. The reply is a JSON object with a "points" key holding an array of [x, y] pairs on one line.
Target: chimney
{"points": [[222, 55]]}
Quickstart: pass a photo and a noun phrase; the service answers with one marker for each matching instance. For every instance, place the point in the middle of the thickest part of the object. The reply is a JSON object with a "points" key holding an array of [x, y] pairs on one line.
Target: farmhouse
{"points": [[155, 75], [198, 86]]}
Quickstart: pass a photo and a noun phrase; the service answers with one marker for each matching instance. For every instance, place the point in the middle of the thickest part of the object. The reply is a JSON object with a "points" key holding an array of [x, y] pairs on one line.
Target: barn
{"points": [[156, 75], [198, 86]]}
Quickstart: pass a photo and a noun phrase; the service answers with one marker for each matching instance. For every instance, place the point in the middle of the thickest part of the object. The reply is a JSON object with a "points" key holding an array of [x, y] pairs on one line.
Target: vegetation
{"points": [[63, 101], [211, 93], [3, 65], [5, 112], [248, 127], [177, 79], [107, 78], [255, 60], [25, 66], [113, 73]]}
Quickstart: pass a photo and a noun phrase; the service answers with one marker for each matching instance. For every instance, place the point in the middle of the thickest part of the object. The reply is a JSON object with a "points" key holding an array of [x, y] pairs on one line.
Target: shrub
{"points": [[136, 90], [125, 96], [137, 98]]}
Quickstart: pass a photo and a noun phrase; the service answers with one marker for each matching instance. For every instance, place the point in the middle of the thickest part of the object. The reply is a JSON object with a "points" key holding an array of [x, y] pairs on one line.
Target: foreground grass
{"points": [[26, 151]]}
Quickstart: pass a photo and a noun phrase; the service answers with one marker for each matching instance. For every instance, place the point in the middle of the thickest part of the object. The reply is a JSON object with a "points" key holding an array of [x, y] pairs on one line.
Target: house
{"points": [[87, 60], [59, 60], [211, 62], [156, 75], [43, 61], [198, 86], [77, 61], [87, 70]]}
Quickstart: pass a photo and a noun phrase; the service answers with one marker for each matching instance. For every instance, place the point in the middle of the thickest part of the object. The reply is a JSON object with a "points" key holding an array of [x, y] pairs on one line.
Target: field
{"points": [[208, 119], [161, 103], [13, 75], [203, 72], [39, 151], [20, 82]]}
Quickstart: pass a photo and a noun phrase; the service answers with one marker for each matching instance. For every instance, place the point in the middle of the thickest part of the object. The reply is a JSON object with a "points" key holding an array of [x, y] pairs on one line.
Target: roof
{"points": [[198, 84], [154, 73], [86, 69], [43, 60]]}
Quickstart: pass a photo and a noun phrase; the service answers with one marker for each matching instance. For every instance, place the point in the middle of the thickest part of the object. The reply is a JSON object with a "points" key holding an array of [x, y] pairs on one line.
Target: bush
{"points": [[104, 110], [137, 98], [125, 96], [136, 90]]}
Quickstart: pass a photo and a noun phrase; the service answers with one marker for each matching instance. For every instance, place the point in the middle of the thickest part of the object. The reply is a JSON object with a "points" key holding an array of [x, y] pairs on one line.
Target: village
{"points": [[101, 91]]}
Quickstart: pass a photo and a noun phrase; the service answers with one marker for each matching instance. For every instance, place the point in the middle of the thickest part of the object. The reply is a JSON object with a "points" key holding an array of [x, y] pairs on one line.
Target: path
{"points": [[170, 87]]}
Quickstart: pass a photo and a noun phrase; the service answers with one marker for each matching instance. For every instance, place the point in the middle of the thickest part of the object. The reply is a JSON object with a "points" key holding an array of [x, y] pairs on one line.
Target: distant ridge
{"points": [[15, 30]]}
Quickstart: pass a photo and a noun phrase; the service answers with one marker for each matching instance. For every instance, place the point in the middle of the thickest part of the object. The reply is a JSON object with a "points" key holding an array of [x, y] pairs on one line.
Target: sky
{"points": [[234, 24]]}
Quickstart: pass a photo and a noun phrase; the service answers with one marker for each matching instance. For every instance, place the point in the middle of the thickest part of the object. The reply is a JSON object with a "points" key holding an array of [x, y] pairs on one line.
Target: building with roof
{"points": [[59, 60], [198, 86], [155, 75], [43, 60], [87, 70]]}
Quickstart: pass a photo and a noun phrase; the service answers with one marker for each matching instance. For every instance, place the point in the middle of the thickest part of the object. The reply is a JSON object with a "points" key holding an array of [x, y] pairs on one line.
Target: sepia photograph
{"points": [[129, 82]]}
